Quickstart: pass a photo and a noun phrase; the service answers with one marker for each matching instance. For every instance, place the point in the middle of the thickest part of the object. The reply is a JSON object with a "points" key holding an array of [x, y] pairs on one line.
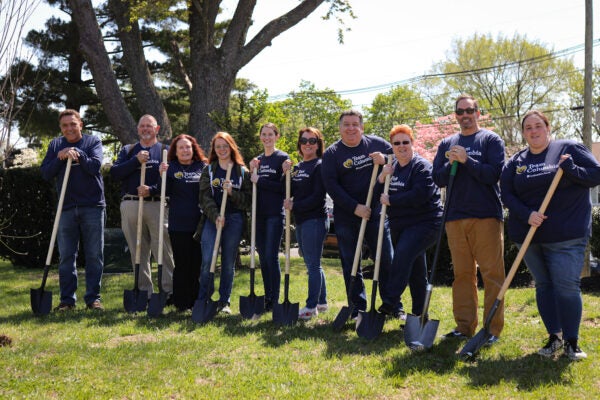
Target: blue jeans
{"points": [[409, 266], [346, 232], [310, 235], [268, 241], [556, 268], [230, 242], [87, 224]]}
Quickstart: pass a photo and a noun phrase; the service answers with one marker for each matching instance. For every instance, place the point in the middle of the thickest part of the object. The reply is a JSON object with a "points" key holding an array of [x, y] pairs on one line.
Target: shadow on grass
{"points": [[528, 372], [442, 358]]}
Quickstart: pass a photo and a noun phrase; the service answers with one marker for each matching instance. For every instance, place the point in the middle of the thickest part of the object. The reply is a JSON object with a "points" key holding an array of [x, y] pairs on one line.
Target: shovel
{"points": [[370, 324], [136, 300], [346, 311], [158, 300], [474, 344], [420, 332], [205, 310], [252, 305], [41, 300], [287, 312]]}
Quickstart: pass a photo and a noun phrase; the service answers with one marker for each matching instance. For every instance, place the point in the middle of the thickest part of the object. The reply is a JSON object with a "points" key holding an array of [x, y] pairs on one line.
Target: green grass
{"points": [[84, 355]]}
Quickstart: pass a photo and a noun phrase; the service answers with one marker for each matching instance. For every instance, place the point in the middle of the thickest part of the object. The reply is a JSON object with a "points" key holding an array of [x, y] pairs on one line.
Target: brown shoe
{"points": [[96, 305]]}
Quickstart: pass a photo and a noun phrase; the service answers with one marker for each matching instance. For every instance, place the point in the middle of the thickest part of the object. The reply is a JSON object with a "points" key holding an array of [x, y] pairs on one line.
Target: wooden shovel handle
{"points": [[138, 236], [386, 188], [213, 262], [253, 224], [61, 200], [363, 223], [288, 217], [161, 219], [529, 237]]}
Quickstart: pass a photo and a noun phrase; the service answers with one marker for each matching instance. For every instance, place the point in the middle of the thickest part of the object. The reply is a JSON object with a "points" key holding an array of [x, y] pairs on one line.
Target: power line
{"points": [[533, 60]]}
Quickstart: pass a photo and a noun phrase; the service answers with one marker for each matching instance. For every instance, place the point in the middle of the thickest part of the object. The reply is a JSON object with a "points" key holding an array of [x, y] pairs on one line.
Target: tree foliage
{"points": [[401, 105], [309, 106], [508, 76]]}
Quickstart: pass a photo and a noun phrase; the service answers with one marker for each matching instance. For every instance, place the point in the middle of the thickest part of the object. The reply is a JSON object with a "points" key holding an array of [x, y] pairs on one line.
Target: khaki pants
{"points": [[473, 242], [149, 242]]}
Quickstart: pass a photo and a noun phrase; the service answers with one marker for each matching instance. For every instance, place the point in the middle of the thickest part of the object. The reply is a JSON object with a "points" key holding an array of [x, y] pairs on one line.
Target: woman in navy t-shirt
{"points": [[185, 163], [556, 254]]}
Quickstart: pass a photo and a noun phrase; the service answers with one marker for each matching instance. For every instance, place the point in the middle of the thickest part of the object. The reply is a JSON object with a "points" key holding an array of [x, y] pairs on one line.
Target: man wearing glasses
{"points": [[474, 217]]}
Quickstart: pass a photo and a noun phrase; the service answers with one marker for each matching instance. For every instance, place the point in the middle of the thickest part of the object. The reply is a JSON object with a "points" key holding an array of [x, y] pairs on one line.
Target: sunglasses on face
{"points": [[461, 111], [304, 140], [404, 142]]}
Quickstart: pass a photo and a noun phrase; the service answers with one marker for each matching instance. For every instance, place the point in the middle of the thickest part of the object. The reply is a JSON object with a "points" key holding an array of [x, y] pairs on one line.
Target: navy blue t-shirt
{"points": [[346, 173], [525, 180], [270, 188], [475, 192], [183, 188], [308, 191], [85, 186]]}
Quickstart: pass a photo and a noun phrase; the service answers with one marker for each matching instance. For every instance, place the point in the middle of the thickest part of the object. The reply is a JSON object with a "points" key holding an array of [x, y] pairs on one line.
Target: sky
{"points": [[393, 40]]}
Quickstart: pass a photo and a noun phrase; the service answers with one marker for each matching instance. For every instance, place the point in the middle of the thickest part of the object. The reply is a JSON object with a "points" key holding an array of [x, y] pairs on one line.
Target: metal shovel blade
{"points": [[340, 320], [475, 344], [370, 324], [285, 313], [156, 304], [135, 300], [204, 311], [41, 301], [420, 337], [252, 305]]}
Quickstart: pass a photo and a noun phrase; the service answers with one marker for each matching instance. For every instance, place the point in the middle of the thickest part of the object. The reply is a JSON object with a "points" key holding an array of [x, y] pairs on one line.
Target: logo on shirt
{"points": [[216, 182], [178, 174], [521, 169], [348, 163], [295, 173]]}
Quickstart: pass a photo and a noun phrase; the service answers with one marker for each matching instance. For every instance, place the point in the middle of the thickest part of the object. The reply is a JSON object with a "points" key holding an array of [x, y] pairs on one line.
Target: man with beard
{"points": [[474, 217], [127, 169]]}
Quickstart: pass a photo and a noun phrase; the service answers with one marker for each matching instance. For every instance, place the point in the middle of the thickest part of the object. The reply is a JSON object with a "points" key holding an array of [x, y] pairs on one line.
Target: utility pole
{"points": [[587, 105]]}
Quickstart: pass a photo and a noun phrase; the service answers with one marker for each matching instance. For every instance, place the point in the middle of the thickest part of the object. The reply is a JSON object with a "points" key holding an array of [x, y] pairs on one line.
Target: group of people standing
{"points": [[473, 218]]}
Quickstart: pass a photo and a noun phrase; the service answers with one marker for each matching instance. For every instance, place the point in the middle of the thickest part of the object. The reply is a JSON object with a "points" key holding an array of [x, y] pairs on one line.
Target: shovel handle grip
{"points": [[161, 219], [213, 261]]}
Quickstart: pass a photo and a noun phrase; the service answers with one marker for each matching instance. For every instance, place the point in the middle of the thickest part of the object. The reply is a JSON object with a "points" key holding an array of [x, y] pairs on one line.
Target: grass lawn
{"points": [[88, 355]]}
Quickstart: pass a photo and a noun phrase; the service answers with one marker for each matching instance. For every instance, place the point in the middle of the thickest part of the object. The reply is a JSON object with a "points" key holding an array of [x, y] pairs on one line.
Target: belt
{"points": [[149, 198]]}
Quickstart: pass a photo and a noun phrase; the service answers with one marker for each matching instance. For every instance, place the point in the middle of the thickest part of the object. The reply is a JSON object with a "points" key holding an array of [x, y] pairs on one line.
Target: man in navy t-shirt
{"points": [[346, 170]]}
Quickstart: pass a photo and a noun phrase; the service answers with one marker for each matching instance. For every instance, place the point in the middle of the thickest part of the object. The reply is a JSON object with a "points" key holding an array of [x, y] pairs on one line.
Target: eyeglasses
{"points": [[304, 140], [461, 111], [404, 142]]}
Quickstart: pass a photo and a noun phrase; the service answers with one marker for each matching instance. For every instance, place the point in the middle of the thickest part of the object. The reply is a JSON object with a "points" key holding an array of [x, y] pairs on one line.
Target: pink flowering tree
{"points": [[429, 136]]}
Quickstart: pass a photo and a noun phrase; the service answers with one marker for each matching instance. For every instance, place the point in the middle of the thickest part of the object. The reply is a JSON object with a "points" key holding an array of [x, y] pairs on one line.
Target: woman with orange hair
{"points": [[414, 212], [223, 151]]}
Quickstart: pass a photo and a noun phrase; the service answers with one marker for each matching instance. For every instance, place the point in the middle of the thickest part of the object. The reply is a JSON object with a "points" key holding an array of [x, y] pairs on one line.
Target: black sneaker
{"points": [[573, 351], [552, 347], [389, 311], [454, 334]]}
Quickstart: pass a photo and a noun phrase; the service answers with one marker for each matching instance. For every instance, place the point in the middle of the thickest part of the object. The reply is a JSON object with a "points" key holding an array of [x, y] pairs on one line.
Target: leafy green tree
{"points": [[508, 76], [308, 106], [401, 105]]}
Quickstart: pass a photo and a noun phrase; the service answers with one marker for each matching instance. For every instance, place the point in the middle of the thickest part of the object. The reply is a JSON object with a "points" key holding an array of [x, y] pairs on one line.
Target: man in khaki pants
{"points": [[474, 217]]}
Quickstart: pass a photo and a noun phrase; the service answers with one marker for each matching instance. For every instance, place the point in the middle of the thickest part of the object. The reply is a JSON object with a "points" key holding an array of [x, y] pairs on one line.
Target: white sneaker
{"points": [[322, 307], [307, 313], [574, 352]]}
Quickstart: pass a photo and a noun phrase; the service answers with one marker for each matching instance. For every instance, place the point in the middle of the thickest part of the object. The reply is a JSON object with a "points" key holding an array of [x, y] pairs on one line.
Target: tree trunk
{"points": [[92, 46], [147, 96]]}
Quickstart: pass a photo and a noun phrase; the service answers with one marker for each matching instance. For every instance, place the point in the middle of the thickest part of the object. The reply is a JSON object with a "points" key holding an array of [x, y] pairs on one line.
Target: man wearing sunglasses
{"points": [[474, 217], [346, 169]]}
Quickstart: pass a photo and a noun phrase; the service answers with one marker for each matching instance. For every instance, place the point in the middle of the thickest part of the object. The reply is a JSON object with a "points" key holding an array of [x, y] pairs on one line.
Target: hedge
{"points": [[28, 204]]}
